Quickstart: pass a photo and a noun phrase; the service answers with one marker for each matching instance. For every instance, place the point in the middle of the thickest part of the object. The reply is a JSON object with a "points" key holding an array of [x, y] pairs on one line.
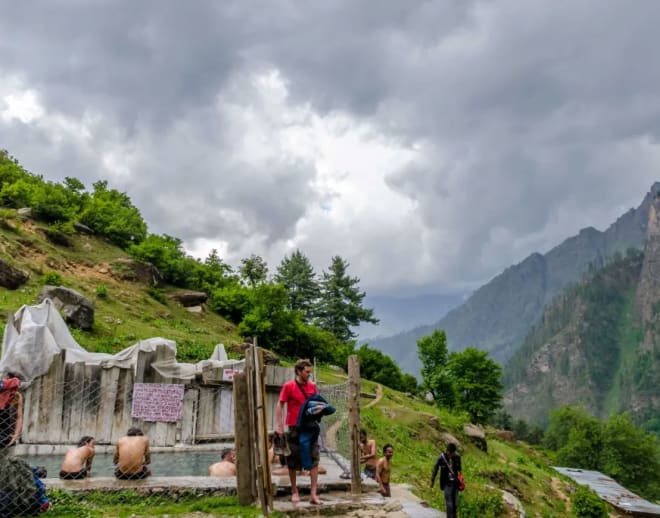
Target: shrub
{"points": [[52, 279], [157, 294], [482, 504], [101, 291], [587, 504]]}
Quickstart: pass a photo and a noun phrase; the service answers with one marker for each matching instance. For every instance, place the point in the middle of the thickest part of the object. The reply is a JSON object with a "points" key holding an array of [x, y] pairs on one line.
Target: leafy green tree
{"points": [[631, 456], [111, 213], [253, 270], [232, 301], [477, 382], [166, 253], [340, 306], [379, 367], [297, 275], [432, 352], [562, 421], [576, 437]]}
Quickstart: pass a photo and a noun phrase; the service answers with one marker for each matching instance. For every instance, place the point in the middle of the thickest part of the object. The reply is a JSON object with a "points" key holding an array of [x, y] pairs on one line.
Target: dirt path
{"points": [[331, 434]]}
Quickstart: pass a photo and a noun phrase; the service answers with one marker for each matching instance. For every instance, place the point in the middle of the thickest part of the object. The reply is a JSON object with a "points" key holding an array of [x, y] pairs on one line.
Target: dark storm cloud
{"points": [[527, 120]]}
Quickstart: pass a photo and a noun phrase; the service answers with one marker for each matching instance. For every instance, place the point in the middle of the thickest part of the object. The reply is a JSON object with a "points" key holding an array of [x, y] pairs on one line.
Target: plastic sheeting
{"points": [[36, 334]]}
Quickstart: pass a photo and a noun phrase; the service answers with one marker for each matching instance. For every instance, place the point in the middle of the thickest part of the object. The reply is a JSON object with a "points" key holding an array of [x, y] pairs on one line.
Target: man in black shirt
{"points": [[449, 464]]}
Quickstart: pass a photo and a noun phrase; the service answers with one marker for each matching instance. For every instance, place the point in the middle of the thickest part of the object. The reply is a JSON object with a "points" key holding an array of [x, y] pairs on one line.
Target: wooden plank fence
{"points": [[72, 400]]}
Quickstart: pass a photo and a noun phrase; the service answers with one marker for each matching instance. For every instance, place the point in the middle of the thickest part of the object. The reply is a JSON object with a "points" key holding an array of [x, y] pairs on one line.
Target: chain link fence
{"points": [[72, 443]]}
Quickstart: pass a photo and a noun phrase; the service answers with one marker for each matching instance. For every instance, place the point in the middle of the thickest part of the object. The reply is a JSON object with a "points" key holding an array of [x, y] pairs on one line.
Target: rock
{"points": [[129, 270], [194, 309], [56, 237], [506, 435], [76, 309], [189, 298], [477, 435], [270, 358], [83, 229], [11, 277], [447, 438], [26, 212]]}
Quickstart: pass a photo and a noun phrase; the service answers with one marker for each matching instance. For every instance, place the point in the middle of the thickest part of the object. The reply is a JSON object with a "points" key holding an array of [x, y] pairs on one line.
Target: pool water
{"points": [[194, 463]]}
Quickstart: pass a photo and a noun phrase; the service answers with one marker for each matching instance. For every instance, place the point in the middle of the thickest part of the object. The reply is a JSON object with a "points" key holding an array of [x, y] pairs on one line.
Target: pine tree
{"points": [[297, 275], [340, 305], [254, 271]]}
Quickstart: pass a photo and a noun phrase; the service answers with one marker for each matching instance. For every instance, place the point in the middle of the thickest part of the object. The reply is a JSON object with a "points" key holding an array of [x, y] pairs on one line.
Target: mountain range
{"points": [[598, 343], [498, 316]]}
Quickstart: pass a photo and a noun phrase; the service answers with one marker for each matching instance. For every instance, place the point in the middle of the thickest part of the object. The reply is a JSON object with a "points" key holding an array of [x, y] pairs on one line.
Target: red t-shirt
{"points": [[293, 397]]}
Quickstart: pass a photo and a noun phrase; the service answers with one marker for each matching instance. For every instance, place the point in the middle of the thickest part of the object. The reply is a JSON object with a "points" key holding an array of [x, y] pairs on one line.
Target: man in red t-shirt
{"points": [[293, 395]]}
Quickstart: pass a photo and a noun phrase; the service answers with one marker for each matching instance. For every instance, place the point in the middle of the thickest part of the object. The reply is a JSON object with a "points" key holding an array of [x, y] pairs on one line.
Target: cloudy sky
{"points": [[430, 144]]}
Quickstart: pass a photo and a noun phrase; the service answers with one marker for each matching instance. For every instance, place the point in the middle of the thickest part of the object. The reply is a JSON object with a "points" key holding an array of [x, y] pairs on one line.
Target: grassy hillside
{"points": [[128, 313]]}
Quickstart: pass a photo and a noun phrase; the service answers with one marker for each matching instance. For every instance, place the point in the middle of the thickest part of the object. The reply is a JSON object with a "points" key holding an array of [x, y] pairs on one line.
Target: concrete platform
{"points": [[331, 481]]}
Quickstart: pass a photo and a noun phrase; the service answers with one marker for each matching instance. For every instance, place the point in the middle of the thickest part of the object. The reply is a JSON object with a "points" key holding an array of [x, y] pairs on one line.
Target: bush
{"points": [[52, 279], [482, 504], [157, 294], [587, 504], [101, 291]]}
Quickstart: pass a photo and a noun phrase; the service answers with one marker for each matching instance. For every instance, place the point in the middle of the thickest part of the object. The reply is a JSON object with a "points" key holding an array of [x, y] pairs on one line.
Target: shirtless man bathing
{"points": [[77, 463], [132, 456], [226, 467]]}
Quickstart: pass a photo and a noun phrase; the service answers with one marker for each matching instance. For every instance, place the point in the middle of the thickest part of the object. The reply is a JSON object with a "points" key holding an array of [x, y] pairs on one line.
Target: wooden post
{"points": [[354, 421], [263, 463], [245, 482]]}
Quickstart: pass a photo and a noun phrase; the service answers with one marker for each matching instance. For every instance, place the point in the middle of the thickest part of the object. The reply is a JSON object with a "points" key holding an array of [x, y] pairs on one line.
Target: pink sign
{"points": [[157, 402]]}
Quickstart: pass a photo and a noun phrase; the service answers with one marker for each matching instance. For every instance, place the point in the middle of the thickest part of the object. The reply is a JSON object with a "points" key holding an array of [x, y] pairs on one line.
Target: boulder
{"points": [[447, 438], [189, 298], [129, 270], [25, 212], [76, 309], [83, 229], [57, 237], [506, 435], [11, 277], [477, 435]]}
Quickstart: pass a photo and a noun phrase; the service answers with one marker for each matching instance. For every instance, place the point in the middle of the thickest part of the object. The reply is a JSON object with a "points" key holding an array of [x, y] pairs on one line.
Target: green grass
{"points": [[125, 314], [124, 504]]}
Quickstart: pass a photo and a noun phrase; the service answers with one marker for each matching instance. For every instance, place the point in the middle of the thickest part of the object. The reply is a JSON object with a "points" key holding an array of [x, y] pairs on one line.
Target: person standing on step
{"points": [[294, 393], [449, 464], [368, 454], [384, 470]]}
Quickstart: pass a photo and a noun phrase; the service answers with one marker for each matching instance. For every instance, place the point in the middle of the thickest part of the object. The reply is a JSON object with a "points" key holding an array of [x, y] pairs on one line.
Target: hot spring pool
{"points": [[163, 464]]}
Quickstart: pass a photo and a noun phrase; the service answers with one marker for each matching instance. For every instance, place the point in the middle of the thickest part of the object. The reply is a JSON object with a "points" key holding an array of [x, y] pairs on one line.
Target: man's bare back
{"points": [[77, 459], [132, 454], [223, 468], [77, 463]]}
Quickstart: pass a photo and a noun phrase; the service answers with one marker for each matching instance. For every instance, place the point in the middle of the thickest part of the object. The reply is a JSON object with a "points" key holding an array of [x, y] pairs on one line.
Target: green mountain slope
{"points": [[589, 350]]}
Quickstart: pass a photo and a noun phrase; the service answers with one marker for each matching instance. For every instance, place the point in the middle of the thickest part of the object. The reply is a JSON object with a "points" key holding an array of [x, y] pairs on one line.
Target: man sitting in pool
{"points": [[132, 456], [226, 467], [77, 463]]}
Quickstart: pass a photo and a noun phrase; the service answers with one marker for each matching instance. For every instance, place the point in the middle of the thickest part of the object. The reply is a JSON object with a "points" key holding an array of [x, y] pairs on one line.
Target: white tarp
{"points": [[35, 334]]}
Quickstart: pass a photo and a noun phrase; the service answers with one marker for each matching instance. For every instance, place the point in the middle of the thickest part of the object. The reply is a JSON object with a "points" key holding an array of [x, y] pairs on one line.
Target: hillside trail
{"points": [[331, 433]]}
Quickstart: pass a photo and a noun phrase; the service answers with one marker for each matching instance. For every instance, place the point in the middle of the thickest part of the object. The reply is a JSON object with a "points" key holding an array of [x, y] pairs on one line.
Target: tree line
{"points": [[295, 311]]}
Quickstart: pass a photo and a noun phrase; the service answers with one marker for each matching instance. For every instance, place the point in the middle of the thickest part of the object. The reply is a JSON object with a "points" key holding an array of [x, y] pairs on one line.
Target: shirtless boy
{"points": [[226, 467], [383, 470], [132, 456], [77, 463], [368, 454]]}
